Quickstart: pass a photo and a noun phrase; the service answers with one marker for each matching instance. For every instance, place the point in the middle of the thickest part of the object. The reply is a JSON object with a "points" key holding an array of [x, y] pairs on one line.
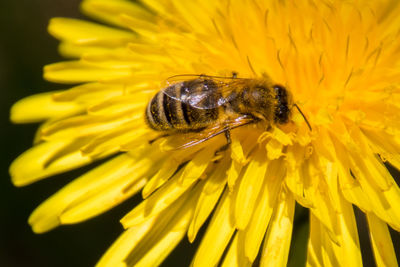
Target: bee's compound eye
{"points": [[278, 87], [279, 90]]}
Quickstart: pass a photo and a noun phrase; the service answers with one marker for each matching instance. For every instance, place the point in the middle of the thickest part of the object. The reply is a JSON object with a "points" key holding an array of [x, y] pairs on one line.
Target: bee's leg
{"points": [[228, 137], [228, 141]]}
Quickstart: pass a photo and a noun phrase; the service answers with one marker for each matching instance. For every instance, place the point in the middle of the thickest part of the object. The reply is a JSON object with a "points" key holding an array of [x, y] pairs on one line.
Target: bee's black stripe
{"points": [[185, 111], [184, 106], [167, 106], [154, 113], [165, 124], [175, 106]]}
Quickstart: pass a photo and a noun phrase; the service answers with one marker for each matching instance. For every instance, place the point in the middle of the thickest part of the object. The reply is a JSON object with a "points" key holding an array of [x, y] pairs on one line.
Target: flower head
{"points": [[339, 60]]}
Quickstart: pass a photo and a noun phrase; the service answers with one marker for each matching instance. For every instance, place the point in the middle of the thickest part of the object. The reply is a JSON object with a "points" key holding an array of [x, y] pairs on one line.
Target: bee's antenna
{"points": [[302, 114]]}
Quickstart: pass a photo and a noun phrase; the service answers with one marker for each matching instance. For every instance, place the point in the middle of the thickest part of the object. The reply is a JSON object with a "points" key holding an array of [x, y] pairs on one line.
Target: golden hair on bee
{"points": [[215, 105]]}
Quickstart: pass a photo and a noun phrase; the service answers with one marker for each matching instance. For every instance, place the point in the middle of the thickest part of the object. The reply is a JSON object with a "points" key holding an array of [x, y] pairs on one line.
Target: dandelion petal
{"points": [[381, 242], [279, 232], [219, 232]]}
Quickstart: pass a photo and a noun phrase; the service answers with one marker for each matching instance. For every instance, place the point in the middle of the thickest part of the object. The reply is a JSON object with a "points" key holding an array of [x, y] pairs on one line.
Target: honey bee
{"points": [[214, 105]]}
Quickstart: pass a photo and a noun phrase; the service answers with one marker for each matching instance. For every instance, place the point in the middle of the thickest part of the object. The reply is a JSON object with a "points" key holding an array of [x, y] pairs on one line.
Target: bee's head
{"points": [[282, 110]]}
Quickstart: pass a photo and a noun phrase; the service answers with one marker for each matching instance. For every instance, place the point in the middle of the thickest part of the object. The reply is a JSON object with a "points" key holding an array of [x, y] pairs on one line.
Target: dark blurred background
{"points": [[25, 47]]}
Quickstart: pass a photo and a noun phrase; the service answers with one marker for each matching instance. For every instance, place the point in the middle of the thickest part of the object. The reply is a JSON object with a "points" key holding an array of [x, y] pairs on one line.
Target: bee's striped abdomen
{"points": [[155, 115], [170, 110]]}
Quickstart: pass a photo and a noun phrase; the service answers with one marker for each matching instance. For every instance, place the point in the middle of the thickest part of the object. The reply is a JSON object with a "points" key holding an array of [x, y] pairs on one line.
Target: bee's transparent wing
{"points": [[198, 93], [187, 77], [203, 92], [185, 140]]}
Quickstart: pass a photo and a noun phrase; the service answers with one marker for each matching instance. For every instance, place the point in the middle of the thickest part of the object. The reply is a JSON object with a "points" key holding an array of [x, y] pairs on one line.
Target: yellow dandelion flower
{"points": [[339, 60]]}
